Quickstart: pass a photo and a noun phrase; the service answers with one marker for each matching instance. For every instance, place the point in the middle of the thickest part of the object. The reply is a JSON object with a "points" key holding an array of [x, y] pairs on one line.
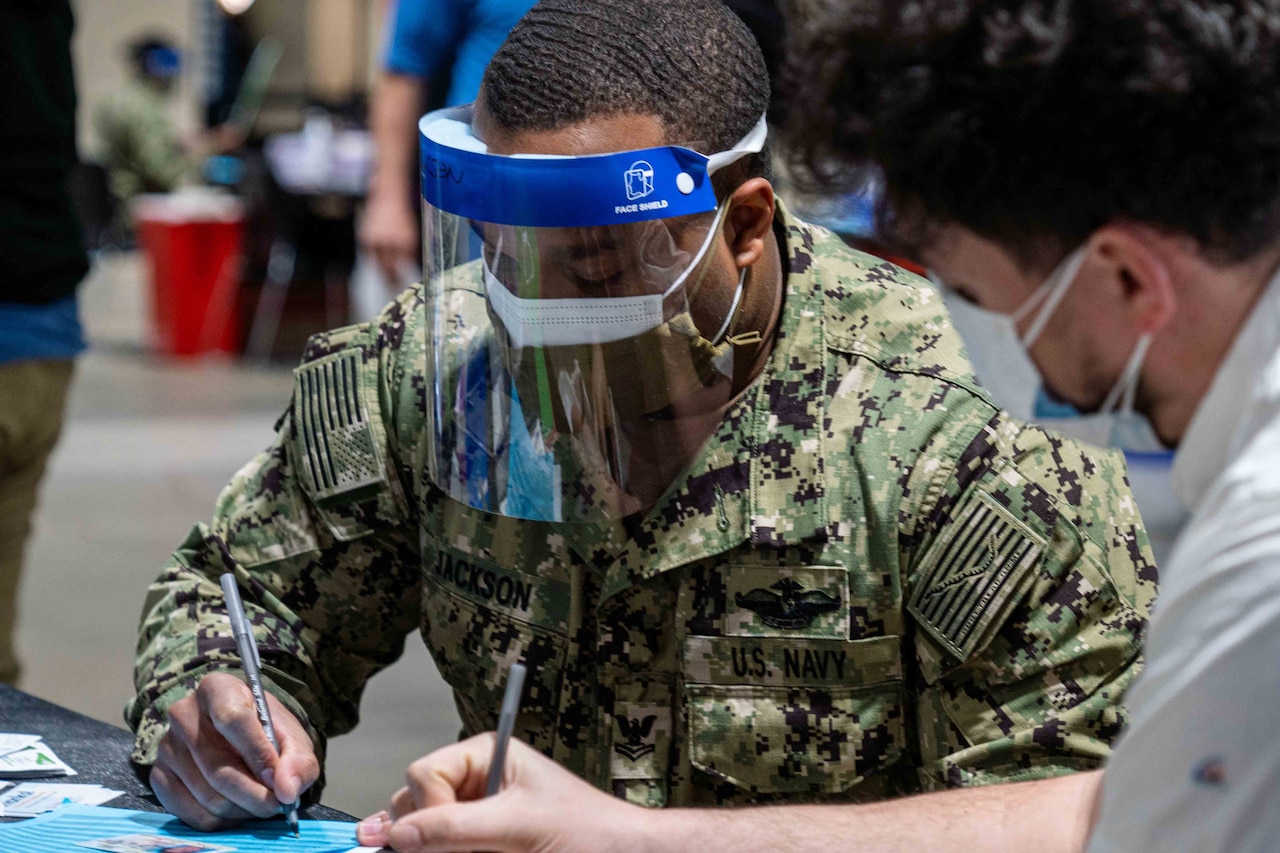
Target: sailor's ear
{"points": [[750, 220]]}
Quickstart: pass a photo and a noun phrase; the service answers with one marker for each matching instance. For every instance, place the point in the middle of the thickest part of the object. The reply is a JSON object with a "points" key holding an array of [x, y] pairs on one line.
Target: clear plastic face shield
{"points": [[567, 377]]}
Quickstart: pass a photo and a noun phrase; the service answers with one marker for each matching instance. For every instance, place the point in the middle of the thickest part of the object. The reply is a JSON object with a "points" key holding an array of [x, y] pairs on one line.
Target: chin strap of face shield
{"points": [[755, 336], [733, 309]]}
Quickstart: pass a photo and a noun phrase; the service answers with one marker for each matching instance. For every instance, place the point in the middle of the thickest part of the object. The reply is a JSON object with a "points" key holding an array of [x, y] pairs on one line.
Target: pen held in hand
{"points": [[252, 665], [506, 724]]}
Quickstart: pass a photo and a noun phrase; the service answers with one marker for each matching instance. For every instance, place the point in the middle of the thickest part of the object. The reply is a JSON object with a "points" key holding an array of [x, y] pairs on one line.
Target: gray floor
{"points": [[148, 444]]}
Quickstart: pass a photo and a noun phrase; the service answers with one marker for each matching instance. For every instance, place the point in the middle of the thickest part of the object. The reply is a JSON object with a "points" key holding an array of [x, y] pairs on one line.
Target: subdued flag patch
{"points": [[972, 573], [341, 453]]}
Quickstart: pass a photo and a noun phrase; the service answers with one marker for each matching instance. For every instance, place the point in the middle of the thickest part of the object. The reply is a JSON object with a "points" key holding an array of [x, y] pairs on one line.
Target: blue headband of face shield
{"points": [[460, 176]]}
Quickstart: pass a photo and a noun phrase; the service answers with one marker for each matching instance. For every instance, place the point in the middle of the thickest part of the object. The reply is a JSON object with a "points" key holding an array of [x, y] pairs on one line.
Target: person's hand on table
{"points": [[390, 231], [541, 806], [215, 765]]}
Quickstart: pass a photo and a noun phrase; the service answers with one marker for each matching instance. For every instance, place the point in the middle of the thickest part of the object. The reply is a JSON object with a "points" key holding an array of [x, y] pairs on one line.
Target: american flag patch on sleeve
{"points": [[977, 568], [339, 451]]}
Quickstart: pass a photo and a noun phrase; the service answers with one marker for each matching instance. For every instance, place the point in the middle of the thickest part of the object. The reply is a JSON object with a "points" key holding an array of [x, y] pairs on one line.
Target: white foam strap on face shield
{"points": [[752, 143]]}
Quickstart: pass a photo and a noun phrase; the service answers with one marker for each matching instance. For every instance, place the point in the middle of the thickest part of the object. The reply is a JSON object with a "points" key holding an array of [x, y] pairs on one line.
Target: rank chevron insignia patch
{"points": [[972, 574], [636, 732]]}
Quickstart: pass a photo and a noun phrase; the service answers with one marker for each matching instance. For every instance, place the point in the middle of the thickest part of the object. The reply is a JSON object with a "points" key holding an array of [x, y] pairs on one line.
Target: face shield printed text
{"points": [[623, 209], [442, 170]]}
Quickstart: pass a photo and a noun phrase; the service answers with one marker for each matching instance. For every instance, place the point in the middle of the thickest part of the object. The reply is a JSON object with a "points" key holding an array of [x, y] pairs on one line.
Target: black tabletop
{"points": [[99, 752]]}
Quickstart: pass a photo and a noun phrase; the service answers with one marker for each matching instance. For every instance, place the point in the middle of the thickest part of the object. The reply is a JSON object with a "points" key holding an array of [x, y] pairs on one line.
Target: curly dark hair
{"points": [[1035, 122], [691, 63]]}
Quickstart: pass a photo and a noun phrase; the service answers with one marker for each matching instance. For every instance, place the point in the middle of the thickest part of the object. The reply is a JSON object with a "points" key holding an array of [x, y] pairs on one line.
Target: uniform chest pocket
{"points": [[793, 716], [479, 619]]}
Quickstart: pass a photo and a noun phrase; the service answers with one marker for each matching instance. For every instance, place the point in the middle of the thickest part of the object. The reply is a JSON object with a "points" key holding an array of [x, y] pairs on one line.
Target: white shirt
{"points": [[1199, 767]]}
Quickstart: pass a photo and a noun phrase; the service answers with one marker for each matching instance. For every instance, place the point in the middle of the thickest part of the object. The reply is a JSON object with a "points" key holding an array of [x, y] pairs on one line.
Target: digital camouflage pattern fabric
{"points": [[871, 582]]}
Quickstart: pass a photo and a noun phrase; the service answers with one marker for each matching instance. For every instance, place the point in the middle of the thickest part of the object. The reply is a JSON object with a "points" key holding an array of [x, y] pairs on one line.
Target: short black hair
{"points": [[691, 63], [1035, 122]]}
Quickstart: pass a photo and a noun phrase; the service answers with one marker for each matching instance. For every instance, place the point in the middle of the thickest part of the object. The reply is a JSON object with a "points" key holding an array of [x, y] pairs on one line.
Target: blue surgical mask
{"points": [[1001, 359]]}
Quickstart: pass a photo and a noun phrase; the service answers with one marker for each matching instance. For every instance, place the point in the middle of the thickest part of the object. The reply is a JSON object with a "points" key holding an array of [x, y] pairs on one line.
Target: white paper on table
{"points": [[13, 742], [36, 760], [32, 798]]}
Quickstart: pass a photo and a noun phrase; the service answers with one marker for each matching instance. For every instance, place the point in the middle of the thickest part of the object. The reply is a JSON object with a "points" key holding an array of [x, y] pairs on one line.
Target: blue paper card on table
{"points": [[80, 829]]}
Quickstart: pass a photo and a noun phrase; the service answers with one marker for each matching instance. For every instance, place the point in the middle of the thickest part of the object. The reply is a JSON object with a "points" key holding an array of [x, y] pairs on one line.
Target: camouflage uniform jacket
{"points": [[139, 142], [871, 581]]}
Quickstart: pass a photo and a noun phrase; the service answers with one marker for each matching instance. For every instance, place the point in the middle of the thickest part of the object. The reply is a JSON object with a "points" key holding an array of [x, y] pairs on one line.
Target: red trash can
{"points": [[192, 243]]}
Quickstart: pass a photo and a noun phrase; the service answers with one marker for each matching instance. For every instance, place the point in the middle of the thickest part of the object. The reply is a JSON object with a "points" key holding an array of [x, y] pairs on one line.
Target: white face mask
{"points": [[1002, 362], [568, 322]]}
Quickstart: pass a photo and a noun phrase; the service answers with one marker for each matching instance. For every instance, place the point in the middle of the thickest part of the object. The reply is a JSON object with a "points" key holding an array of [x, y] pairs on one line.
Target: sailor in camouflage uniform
{"points": [[864, 581], [139, 141]]}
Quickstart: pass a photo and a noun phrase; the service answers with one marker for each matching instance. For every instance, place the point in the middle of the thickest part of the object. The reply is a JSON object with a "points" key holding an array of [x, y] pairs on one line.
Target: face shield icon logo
{"points": [[639, 180]]}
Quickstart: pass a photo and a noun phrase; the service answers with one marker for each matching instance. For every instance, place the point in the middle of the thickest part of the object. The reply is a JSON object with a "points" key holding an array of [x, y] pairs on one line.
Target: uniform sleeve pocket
{"points": [[794, 716]]}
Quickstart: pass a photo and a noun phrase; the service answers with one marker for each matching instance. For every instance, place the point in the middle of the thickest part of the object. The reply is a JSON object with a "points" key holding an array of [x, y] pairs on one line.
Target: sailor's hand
{"points": [[215, 765], [541, 806]]}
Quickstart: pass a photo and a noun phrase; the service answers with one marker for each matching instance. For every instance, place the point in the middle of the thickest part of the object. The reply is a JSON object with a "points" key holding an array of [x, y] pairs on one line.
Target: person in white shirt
{"points": [[1097, 184]]}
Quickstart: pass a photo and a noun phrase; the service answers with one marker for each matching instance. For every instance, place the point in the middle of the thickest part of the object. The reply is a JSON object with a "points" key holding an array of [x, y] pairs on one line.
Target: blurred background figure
{"points": [[435, 55], [141, 148], [43, 262]]}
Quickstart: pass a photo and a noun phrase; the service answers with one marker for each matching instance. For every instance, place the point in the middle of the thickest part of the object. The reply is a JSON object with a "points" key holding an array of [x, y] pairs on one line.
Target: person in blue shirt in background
{"points": [[429, 43], [42, 261]]}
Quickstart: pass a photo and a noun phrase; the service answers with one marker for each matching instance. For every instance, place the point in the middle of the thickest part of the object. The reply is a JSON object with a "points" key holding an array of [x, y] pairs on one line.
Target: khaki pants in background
{"points": [[33, 396]]}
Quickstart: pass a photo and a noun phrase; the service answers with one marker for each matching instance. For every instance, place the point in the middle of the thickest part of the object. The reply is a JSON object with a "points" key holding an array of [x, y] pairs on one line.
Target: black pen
{"points": [[249, 659]]}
